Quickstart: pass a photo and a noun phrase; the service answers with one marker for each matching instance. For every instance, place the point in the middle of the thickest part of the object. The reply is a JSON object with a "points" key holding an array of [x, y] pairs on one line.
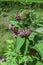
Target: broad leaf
{"points": [[39, 48], [39, 30], [20, 41]]}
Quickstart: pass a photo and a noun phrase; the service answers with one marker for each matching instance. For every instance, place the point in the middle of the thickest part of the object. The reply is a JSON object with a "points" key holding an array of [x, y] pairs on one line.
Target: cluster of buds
{"points": [[18, 16]]}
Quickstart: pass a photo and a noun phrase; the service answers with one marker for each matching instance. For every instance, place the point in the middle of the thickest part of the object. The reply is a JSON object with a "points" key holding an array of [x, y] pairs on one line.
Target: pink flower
{"points": [[25, 32]]}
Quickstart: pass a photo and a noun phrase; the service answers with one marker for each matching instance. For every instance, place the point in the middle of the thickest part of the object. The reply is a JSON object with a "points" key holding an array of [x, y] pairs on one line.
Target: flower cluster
{"points": [[22, 33], [25, 33]]}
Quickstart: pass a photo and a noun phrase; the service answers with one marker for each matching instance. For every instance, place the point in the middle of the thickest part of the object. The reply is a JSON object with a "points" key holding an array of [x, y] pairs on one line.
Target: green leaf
{"points": [[31, 37], [39, 63], [27, 45], [39, 30], [15, 23], [39, 47], [20, 41]]}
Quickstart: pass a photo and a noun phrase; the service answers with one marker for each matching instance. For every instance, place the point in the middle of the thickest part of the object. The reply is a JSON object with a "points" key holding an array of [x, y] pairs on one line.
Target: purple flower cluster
{"points": [[25, 33], [22, 33]]}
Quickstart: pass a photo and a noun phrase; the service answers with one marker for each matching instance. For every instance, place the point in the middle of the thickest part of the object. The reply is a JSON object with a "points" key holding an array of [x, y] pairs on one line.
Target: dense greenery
{"points": [[26, 46]]}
